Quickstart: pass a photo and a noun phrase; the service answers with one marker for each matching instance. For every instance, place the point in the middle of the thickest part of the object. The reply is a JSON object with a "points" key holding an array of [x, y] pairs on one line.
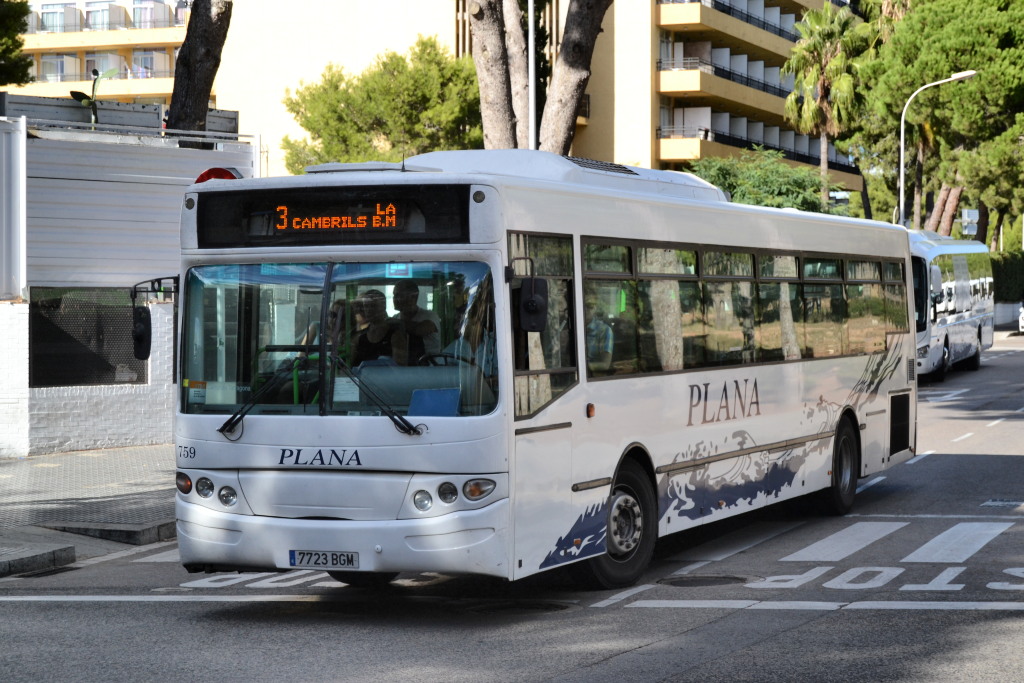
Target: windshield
{"points": [[921, 292], [340, 339]]}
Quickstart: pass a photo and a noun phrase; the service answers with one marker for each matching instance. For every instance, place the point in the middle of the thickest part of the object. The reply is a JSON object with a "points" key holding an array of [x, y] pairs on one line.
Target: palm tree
{"points": [[823, 64]]}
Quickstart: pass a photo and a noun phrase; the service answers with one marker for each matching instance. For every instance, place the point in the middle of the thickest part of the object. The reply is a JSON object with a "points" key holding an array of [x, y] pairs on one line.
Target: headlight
{"points": [[228, 496], [204, 487], [422, 501], [447, 492], [922, 352]]}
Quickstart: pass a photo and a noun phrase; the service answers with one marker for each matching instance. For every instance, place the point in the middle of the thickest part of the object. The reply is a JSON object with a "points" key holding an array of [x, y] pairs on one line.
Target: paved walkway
{"points": [[66, 507]]}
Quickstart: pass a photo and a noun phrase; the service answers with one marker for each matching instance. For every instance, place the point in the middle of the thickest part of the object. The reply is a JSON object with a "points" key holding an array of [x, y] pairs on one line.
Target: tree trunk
{"points": [[823, 165], [486, 20], [940, 205], [997, 233], [197, 64], [949, 211], [519, 71], [571, 73], [983, 222], [865, 199]]}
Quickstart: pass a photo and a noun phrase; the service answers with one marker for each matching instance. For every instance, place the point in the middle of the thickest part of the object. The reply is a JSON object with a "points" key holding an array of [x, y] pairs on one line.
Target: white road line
{"points": [[690, 567], [121, 553], [958, 543], [870, 483], [919, 458], [169, 556], [736, 542], [165, 598], [842, 544], [787, 605], [619, 597], [995, 422], [825, 606], [965, 436]]}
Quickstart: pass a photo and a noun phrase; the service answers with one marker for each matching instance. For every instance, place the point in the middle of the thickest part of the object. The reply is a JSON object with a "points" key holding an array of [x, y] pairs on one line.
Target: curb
{"points": [[130, 534], [35, 558], [25, 557]]}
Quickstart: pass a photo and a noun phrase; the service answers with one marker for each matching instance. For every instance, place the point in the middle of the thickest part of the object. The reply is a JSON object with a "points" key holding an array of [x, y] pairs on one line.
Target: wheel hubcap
{"points": [[625, 524]]}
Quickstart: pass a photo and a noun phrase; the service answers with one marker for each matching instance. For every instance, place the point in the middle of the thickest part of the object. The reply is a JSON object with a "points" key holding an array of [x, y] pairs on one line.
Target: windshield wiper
{"points": [[274, 382], [401, 424]]}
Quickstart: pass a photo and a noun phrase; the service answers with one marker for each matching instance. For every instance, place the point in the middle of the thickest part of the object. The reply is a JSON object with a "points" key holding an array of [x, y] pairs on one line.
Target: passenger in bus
{"points": [[420, 335], [374, 342], [600, 342], [335, 320]]}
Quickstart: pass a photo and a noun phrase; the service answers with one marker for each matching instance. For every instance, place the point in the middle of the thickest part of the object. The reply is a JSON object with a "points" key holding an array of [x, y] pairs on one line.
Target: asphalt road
{"points": [[924, 581]]}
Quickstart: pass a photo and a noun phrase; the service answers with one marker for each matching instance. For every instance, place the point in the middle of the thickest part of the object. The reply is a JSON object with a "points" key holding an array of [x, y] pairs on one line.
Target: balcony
{"points": [[742, 15], [687, 143], [722, 72]]}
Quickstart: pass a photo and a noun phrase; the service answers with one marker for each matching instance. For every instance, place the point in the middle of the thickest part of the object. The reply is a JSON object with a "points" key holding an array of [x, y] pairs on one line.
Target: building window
{"points": [[59, 17], [81, 337], [55, 68], [97, 15], [150, 64], [181, 12], [103, 61]]}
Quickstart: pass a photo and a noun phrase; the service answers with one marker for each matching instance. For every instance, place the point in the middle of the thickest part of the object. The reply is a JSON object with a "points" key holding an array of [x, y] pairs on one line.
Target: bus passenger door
{"points": [[541, 506]]}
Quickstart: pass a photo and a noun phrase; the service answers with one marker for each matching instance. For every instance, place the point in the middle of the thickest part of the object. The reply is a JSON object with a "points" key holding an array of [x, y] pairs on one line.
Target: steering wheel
{"points": [[437, 358]]}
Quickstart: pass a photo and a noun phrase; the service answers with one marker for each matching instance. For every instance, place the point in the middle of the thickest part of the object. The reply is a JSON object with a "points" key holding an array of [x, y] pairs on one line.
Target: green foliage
{"points": [[15, 68], [397, 108], [763, 178], [960, 123], [1008, 276]]}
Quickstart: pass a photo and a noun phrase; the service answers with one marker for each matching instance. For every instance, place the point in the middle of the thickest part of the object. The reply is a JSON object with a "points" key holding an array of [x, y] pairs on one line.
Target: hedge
{"points": [[1008, 274]]}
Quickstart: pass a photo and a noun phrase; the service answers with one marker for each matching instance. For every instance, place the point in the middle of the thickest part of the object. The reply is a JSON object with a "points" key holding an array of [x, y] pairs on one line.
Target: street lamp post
{"points": [[955, 77]]}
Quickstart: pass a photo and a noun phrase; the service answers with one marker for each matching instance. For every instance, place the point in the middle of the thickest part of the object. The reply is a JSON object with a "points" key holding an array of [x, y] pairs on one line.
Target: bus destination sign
{"points": [[382, 215], [334, 215]]}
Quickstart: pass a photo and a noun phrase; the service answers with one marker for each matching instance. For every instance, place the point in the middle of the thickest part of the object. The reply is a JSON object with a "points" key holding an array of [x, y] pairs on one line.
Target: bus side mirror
{"points": [[935, 281], [142, 331], [533, 304]]}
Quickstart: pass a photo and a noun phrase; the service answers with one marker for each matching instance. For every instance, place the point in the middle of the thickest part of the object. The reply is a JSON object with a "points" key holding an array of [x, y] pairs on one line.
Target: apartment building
{"points": [[673, 80], [137, 40]]}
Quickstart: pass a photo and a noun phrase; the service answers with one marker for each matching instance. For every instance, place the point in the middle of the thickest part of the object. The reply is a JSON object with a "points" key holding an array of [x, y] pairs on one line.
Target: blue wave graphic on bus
{"points": [[586, 538]]}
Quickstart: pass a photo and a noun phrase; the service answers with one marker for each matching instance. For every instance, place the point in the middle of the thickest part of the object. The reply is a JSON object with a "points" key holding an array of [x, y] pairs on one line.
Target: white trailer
{"points": [[88, 209]]}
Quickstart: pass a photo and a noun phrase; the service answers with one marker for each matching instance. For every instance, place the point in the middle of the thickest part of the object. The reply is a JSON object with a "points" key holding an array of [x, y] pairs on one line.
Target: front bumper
{"points": [[471, 541]]}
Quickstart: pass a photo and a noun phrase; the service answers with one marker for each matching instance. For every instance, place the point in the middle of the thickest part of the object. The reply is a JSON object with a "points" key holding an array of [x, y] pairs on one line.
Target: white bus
{"points": [[501, 362], [953, 300]]}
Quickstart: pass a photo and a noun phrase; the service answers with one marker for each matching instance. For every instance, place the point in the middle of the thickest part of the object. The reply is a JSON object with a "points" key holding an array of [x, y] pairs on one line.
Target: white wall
{"points": [[108, 416], [14, 400]]}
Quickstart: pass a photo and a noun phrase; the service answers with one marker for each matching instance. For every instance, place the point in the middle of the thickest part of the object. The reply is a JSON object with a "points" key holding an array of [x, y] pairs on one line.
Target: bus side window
{"points": [[544, 362]]}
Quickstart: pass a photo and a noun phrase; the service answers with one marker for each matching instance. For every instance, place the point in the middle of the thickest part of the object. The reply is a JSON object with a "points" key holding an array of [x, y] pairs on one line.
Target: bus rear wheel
{"points": [[837, 499], [364, 579], [631, 534], [974, 362]]}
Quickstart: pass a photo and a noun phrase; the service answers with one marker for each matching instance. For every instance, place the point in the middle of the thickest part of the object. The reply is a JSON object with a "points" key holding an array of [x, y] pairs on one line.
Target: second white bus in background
{"points": [[954, 302]]}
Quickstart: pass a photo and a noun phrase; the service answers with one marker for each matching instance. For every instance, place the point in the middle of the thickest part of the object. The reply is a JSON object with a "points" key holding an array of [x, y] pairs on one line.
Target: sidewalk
{"points": [[66, 507]]}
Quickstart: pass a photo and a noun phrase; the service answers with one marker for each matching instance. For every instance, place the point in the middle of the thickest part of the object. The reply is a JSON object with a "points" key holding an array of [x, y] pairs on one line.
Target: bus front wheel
{"points": [[631, 533], [837, 499]]}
